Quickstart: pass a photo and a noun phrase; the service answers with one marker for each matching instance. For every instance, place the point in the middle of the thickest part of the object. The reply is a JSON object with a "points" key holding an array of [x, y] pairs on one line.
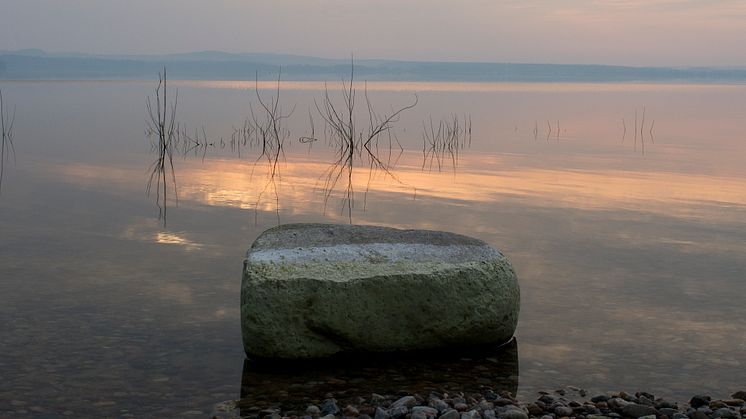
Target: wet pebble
{"points": [[351, 411], [329, 407], [617, 403], [472, 414], [699, 401], [398, 411], [461, 407], [561, 411], [424, 412], [600, 398], [739, 395], [725, 413], [634, 410], [313, 411], [513, 414], [381, 414], [450, 414], [406, 401], [438, 404]]}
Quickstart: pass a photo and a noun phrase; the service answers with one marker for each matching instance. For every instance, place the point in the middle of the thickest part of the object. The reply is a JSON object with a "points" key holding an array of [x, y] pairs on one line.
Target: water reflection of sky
{"points": [[479, 179], [631, 265]]}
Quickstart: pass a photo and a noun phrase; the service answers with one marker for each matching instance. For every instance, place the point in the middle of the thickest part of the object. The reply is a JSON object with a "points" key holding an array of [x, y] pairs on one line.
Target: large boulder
{"points": [[314, 290]]}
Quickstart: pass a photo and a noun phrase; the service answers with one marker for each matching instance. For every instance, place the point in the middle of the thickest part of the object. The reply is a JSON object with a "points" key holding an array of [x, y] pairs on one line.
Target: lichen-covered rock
{"points": [[314, 290]]}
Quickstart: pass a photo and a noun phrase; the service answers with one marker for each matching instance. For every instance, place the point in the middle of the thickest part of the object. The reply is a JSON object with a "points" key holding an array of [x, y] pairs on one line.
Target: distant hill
{"points": [[34, 64]]}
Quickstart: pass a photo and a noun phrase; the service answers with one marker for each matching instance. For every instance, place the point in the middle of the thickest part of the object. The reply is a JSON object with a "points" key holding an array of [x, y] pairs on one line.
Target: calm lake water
{"points": [[631, 263]]}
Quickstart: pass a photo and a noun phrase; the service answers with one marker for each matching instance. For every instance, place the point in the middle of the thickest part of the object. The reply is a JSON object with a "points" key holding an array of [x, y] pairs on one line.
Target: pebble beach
{"points": [[570, 402]]}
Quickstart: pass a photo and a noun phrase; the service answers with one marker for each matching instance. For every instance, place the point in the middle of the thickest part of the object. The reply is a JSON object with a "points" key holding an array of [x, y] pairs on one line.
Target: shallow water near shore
{"points": [[628, 244]]}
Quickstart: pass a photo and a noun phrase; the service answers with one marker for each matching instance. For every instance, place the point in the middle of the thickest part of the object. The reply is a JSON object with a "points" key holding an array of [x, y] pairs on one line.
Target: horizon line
{"points": [[114, 55]]}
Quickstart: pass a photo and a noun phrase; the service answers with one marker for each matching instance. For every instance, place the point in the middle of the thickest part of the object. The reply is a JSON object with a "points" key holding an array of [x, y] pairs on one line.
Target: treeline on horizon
{"points": [[224, 66]]}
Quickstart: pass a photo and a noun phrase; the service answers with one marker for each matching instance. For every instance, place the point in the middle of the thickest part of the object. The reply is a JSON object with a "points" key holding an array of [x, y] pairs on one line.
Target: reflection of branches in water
{"points": [[442, 142], [162, 124], [640, 131], [264, 129], [269, 133], [7, 150], [353, 143], [242, 136], [536, 130]]}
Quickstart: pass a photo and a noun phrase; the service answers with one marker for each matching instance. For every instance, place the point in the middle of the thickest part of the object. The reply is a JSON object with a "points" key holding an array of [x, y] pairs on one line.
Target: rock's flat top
{"points": [[318, 235], [318, 250]]}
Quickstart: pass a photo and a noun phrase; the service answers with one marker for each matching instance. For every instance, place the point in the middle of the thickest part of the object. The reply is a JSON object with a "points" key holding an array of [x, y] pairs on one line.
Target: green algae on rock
{"points": [[315, 290]]}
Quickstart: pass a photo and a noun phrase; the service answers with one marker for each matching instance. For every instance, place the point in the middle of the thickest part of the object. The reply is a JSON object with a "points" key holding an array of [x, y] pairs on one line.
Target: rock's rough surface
{"points": [[314, 290]]}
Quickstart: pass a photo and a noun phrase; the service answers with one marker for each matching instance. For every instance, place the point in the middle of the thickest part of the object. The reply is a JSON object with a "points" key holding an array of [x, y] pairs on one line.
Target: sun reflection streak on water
{"points": [[483, 179], [164, 237]]}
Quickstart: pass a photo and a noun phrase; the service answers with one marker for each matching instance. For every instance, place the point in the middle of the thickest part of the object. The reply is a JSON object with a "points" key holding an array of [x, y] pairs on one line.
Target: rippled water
{"points": [[631, 263]]}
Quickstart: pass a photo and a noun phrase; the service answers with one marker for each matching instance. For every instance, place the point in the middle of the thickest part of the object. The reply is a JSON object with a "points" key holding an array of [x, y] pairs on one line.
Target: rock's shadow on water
{"points": [[293, 385]]}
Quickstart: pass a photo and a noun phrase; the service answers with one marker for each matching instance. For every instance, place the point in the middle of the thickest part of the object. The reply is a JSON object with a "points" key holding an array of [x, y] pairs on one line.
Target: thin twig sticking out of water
{"points": [[7, 150], [311, 137], [353, 143], [635, 129], [162, 124], [642, 127], [558, 130], [451, 136]]}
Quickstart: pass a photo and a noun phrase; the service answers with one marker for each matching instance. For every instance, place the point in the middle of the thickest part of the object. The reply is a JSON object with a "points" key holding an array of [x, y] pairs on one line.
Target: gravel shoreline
{"points": [[571, 402]]}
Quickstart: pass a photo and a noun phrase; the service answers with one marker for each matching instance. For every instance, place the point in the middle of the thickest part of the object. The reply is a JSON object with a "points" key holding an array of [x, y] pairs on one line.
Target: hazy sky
{"points": [[631, 32]]}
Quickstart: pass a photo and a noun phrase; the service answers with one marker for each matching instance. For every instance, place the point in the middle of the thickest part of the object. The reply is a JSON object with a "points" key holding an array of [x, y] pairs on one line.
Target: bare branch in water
{"points": [[7, 149], [635, 129], [354, 144], [270, 133], [162, 124]]}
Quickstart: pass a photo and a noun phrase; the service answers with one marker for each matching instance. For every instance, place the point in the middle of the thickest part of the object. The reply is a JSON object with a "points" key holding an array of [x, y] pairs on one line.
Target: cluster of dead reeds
{"points": [[442, 141], [356, 137], [639, 131]]}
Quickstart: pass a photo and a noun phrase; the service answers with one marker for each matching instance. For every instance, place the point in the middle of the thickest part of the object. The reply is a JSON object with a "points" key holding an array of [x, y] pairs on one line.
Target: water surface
{"points": [[630, 251]]}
